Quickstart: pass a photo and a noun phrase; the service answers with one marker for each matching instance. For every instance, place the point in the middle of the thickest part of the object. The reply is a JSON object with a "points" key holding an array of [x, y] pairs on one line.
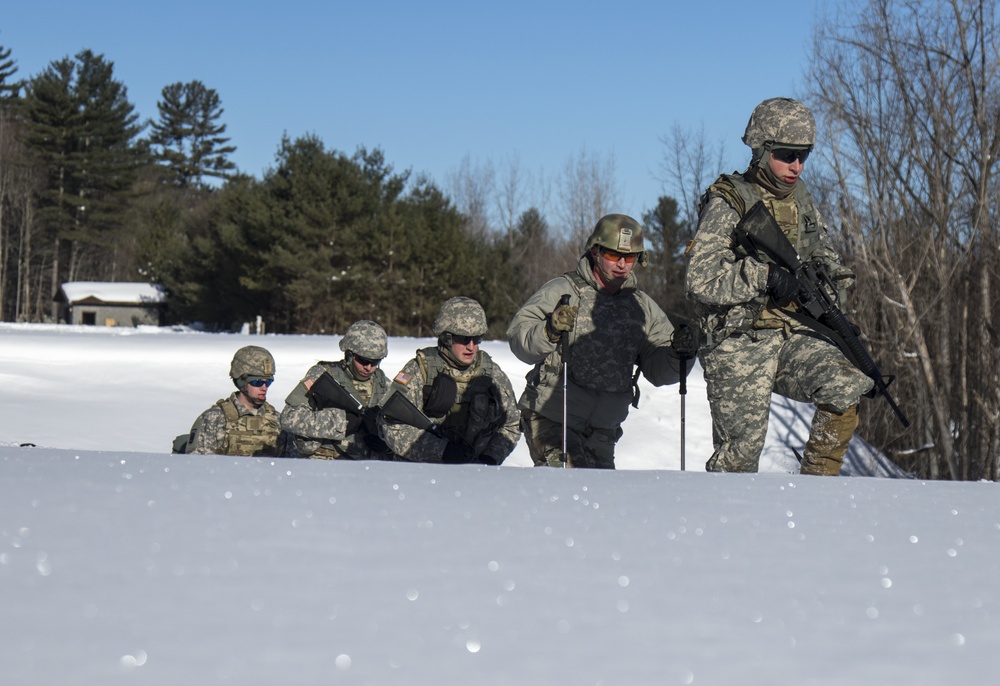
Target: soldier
{"points": [[752, 347], [325, 426], [611, 327], [244, 423], [461, 390]]}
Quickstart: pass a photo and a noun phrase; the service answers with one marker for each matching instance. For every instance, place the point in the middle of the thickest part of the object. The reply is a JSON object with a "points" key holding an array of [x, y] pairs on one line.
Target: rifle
{"points": [[760, 236], [327, 392], [398, 408]]}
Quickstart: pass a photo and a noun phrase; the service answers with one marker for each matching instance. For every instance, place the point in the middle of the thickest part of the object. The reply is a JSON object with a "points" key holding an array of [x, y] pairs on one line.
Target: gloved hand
{"points": [[457, 452], [353, 422], [782, 285], [685, 341], [562, 319]]}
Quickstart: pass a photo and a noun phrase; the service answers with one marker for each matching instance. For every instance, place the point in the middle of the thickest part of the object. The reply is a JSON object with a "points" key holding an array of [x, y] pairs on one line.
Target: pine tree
{"points": [[188, 138], [83, 129]]}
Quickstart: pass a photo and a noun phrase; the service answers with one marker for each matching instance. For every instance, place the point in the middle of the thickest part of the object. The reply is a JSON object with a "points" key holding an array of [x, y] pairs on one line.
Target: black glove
{"points": [[685, 341], [457, 452], [353, 422], [782, 285]]}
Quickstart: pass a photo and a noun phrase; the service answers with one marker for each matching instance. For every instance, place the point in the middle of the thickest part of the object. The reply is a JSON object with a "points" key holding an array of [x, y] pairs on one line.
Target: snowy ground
{"points": [[120, 563]]}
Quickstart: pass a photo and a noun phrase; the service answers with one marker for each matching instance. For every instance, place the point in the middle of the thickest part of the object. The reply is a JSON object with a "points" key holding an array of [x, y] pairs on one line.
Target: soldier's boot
{"points": [[829, 437]]}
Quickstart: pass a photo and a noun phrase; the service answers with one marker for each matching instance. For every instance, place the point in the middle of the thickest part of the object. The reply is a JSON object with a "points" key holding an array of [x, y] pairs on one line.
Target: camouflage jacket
{"points": [[484, 414], [727, 286], [322, 433], [613, 334], [229, 428]]}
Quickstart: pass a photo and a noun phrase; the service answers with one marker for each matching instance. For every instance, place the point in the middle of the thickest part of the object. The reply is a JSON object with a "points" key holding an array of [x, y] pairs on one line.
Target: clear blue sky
{"points": [[432, 82]]}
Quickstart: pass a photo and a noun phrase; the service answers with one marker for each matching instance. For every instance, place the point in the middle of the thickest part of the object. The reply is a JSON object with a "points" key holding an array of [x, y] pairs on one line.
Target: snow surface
{"points": [[120, 563]]}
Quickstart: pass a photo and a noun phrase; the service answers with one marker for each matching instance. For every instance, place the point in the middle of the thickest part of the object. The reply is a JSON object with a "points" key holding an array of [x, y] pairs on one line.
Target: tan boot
{"points": [[828, 440]]}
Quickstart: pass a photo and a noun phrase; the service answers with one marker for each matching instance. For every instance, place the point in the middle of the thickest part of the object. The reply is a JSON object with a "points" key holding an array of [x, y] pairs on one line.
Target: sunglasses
{"points": [[258, 382], [614, 256], [365, 362], [465, 340], [789, 156]]}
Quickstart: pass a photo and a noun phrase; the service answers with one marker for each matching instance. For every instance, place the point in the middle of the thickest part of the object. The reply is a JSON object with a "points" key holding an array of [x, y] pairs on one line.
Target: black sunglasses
{"points": [[258, 382], [788, 156], [365, 362]]}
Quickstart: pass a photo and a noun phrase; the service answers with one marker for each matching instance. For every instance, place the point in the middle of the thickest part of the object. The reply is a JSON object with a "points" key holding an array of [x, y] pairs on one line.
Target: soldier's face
{"points": [[464, 348], [787, 164], [255, 394], [364, 367], [612, 268]]}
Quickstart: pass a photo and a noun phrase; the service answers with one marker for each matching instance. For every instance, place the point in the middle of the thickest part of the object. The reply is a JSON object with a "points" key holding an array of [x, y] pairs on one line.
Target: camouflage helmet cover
{"points": [[782, 122], [461, 316], [618, 232], [251, 360], [366, 339]]}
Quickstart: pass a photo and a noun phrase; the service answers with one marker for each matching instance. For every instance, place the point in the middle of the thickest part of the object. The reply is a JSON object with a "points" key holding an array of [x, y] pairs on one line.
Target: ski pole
{"points": [[683, 391], [564, 349]]}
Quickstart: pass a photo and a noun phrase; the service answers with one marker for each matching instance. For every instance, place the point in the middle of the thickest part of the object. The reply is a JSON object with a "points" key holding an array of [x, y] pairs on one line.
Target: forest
{"points": [[907, 99]]}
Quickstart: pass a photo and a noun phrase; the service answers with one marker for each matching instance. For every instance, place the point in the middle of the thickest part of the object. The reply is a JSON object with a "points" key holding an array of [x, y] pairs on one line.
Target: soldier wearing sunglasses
{"points": [[612, 331], [244, 423], [322, 428], [752, 345], [461, 390]]}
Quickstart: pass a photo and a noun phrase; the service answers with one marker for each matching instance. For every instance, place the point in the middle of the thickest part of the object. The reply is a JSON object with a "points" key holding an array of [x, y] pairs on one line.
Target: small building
{"points": [[99, 303]]}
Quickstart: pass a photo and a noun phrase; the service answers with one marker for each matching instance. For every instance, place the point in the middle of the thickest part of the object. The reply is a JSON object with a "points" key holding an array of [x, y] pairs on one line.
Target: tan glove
{"points": [[562, 319]]}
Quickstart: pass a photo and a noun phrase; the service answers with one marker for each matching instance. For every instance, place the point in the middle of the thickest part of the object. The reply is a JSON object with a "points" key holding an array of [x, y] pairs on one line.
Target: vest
{"points": [[798, 219], [477, 411], [360, 444], [250, 434]]}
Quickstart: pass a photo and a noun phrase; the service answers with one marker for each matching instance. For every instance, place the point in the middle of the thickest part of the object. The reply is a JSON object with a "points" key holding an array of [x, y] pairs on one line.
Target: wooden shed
{"points": [[99, 303]]}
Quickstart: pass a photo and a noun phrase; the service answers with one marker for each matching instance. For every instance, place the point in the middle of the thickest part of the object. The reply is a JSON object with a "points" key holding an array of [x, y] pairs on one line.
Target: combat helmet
{"points": [[251, 360], [366, 339], [780, 123], [618, 232], [461, 316]]}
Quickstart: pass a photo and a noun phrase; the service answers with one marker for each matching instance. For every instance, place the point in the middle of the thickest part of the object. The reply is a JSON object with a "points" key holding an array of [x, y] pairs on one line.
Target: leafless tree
{"points": [[588, 190], [908, 96]]}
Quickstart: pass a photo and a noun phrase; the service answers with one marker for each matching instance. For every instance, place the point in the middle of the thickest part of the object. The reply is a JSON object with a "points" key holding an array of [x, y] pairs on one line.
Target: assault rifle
{"points": [[326, 392], [398, 408], [760, 236]]}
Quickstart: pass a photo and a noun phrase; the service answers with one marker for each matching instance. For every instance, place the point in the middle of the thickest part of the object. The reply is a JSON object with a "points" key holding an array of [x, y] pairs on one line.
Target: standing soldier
{"points": [[244, 423], [461, 390], [752, 345], [331, 413], [611, 327]]}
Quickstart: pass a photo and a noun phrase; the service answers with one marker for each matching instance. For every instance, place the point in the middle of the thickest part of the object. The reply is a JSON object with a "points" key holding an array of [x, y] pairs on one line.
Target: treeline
{"points": [[89, 191]]}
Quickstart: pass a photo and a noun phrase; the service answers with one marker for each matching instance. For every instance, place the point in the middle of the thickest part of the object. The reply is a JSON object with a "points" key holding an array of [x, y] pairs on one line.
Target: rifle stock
{"points": [[760, 236]]}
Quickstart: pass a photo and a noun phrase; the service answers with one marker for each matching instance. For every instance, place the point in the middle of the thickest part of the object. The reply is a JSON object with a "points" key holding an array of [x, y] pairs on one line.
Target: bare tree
{"points": [[688, 166], [588, 190], [908, 95], [472, 188]]}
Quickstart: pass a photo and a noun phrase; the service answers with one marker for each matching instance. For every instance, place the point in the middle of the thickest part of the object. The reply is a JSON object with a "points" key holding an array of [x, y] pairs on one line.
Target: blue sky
{"points": [[433, 82]]}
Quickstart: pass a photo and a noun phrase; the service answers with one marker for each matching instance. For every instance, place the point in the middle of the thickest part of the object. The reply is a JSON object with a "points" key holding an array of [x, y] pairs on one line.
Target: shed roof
{"points": [[121, 293]]}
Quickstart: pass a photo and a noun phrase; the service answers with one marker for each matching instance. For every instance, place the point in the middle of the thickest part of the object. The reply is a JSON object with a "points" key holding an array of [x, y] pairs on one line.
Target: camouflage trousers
{"points": [[590, 448], [743, 371]]}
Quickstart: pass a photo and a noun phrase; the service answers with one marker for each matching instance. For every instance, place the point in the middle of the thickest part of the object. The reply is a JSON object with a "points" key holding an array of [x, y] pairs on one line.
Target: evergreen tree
{"points": [[9, 88], [82, 128], [188, 137], [666, 240]]}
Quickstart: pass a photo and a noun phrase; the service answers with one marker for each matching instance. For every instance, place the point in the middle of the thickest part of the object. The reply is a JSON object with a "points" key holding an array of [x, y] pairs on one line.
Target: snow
{"points": [[120, 563]]}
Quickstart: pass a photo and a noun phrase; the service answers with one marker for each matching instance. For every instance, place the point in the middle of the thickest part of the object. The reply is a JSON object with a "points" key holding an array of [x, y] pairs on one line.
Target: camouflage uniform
{"points": [[751, 347], [243, 432], [323, 433], [612, 334], [483, 412], [231, 428]]}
